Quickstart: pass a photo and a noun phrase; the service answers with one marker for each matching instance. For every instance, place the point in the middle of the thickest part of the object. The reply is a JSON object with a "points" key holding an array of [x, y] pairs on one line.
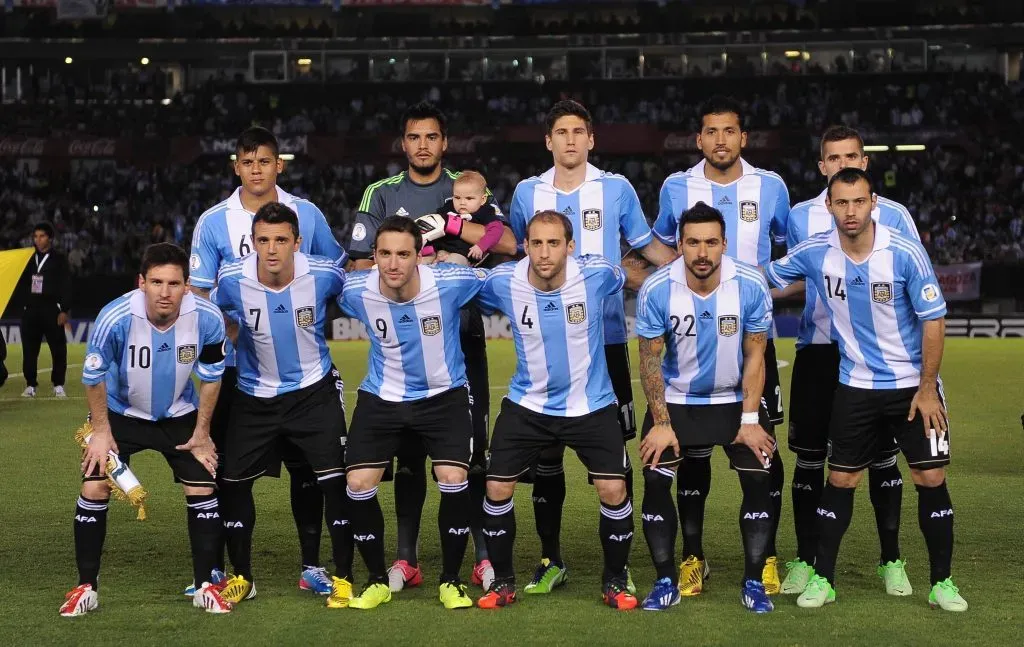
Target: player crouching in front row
{"points": [[137, 380]]}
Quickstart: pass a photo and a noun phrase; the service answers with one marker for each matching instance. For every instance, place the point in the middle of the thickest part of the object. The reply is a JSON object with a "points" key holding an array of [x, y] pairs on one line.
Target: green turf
{"points": [[146, 564]]}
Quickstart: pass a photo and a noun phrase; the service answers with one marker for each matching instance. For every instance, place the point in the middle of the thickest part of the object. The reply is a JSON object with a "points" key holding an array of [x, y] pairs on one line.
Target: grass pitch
{"points": [[146, 564]]}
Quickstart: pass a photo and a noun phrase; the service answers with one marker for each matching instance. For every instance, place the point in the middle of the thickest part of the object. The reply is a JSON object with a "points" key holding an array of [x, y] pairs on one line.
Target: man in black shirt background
{"points": [[47, 289]]}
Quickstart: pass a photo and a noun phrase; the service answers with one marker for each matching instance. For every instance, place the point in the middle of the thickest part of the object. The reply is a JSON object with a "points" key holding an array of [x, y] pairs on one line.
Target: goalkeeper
{"points": [[137, 375]]}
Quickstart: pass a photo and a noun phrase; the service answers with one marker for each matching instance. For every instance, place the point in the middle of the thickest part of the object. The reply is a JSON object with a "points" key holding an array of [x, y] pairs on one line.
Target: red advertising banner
{"points": [[960, 282]]}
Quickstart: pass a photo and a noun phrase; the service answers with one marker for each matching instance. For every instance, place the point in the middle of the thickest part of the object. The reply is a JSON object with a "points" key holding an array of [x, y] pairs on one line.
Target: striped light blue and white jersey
{"points": [[223, 234], [603, 210], [812, 217], [559, 335], [148, 371], [876, 307], [281, 345], [415, 348], [703, 361]]}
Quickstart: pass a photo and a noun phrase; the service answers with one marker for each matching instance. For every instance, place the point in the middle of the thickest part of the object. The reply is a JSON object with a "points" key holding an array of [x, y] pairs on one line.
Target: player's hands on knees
{"points": [[202, 448], [657, 440], [95, 454], [933, 414], [758, 440]]}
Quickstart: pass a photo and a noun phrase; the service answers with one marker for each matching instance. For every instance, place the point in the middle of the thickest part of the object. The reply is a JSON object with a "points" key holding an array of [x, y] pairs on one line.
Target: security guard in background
{"points": [[47, 290]]}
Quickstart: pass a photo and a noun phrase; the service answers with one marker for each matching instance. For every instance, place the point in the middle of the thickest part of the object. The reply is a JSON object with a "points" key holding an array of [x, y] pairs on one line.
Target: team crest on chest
{"points": [[591, 219], [431, 325], [748, 211], [881, 292], [187, 353], [304, 317], [728, 325], [576, 313]]}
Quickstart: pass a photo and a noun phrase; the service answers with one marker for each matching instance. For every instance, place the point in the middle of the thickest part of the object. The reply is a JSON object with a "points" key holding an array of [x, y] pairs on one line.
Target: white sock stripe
{"points": [[617, 514], [203, 505], [325, 477], [664, 471], [884, 464], [452, 488], [361, 496], [698, 453], [497, 510], [811, 465], [88, 505], [549, 470]]}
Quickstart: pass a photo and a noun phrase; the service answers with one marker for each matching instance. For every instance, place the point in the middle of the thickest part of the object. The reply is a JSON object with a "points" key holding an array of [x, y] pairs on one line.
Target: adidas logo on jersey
{"points": [[724, 201], [83, 519], [280, 309], [822, 512], [569, 211], [938, 514], [652, 517], [892, 483], [625, 537], [705, 315], [207, 515], [550, 307], [856, 281], [402, 212], [364, 537], [163, 347], [755, 515], [458, 531], [405, 319]]}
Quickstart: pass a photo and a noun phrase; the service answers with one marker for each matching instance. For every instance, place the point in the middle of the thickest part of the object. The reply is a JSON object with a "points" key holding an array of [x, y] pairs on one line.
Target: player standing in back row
{"points": [[755, 204], [415, 193], [815, 377], [603, 209]]}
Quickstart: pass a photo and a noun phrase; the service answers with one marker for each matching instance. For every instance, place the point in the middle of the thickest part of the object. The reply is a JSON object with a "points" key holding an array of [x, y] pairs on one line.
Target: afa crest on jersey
{"points": [[431, 325], [728, 325], [748, 211], [881, 292], [592, 219], [576, 313], [304, 317], [187, 353]]}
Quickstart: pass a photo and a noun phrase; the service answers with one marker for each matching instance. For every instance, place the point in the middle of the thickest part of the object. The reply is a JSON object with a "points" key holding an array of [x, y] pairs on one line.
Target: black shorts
{"points": [[700, 426], [617, 357], [521, 434], [771, 396], [865, 420], [312, 418], [441, 424], [134, 435], [815, 378]]}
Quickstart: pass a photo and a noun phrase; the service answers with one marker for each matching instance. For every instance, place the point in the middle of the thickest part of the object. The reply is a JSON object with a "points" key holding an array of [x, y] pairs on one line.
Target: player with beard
{"points": [[755, 205], [415, 193]]}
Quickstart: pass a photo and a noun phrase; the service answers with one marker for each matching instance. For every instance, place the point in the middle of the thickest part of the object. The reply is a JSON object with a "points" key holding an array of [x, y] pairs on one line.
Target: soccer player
{"points": [[287, 387], [755, 205], [560, 394], [887, 312], [141, 355], [603, 209], [711, 316], [415, 193], [416, 385], [815, 376], [222, 235]]}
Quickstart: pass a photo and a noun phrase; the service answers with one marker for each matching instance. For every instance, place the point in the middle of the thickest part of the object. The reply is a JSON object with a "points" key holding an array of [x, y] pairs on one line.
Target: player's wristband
{"points": [[454, 225], [749, 418]]}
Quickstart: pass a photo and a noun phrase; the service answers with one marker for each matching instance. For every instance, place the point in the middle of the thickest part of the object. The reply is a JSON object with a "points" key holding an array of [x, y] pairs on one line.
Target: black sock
{"points": [[477, 490], [935, 515], [336, 512], [90, 531], [834, 514], [616, 531], [808, 481], [629, 476], [500, 530], [205, 528], [659, 520], [308, 512], [368, 531], [218, 555], [239, 513], [885, 483], [692, 487], [756, 524], [548, 500], [410, 494], [778, 479], [453, 527]]}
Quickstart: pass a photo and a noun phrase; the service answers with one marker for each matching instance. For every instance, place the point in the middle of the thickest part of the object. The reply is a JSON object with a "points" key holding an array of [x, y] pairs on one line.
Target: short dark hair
{"points": [[698, 213], [425, 110], [253, 137], [839, 134], [401, 225], [720, 105], [275, 213], [164, 254], [850, 175], [568, 108], [44, 227], [550, 216]]}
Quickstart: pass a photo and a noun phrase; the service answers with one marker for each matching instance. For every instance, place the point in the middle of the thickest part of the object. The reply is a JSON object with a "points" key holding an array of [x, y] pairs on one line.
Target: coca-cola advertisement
{"points": [[92, 148], [22, 146]]}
